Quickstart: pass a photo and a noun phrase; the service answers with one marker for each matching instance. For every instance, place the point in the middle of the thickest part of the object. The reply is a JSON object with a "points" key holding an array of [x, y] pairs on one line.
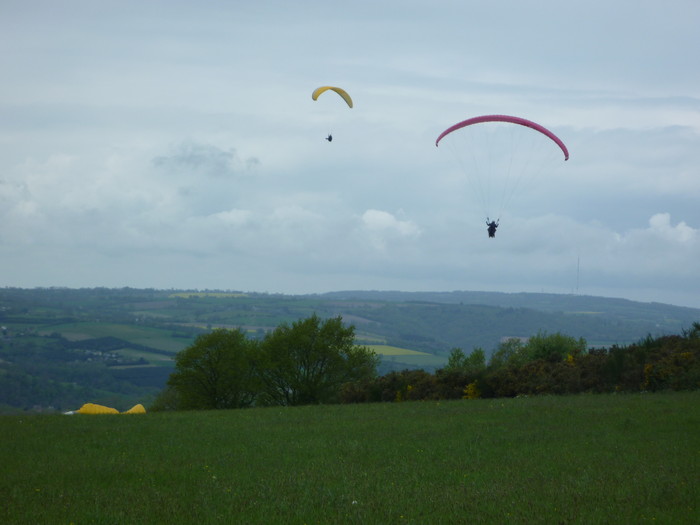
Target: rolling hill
{"points": [[59, 346]]}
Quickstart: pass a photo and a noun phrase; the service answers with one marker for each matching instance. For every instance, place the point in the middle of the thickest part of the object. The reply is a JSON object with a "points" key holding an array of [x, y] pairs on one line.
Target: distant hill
{"points": [[467, 319], [59, 346], [538, 301]]}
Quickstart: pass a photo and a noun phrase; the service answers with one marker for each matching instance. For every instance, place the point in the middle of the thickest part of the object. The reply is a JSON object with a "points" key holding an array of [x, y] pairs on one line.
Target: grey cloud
{"points": [[205, 159]]}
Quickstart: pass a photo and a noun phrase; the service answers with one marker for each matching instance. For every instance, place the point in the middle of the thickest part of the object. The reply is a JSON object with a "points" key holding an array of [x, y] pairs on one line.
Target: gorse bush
{"points": [[546, 364]]}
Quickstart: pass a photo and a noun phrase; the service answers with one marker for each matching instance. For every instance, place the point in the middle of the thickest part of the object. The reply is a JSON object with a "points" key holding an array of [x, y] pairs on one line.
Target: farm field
{"points": [[161, 339], [571, 459], [394, 350], [403, 358]]}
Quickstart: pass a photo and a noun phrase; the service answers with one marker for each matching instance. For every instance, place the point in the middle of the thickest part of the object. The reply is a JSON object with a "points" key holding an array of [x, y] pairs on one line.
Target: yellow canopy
{"points": [[136, 409], [91, 408], [317, 92]]}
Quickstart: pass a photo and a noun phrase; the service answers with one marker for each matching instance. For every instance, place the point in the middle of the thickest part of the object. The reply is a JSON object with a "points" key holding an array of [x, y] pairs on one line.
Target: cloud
{"points": [[196, 159], [661, 252], [385, 222], [383, 229], [660, 227]]}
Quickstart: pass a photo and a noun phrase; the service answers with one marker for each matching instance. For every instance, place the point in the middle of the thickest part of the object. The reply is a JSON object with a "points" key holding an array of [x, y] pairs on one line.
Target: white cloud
{"points": [[383, 228], [382, 221], [681, 233]]}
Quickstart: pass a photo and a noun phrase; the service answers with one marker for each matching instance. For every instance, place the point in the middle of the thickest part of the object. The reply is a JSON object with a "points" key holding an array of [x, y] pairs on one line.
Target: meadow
{"points": [[625, 458]]}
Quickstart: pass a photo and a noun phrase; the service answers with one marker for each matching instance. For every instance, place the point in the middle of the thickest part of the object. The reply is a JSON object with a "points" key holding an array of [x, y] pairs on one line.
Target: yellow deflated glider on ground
{"points": [[136, 409], [92, 408]]}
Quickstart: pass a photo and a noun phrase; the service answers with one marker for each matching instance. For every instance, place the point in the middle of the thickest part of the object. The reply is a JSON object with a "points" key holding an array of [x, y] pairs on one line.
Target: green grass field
{"points": [[387, 350], [581, 459], [143, 335]]}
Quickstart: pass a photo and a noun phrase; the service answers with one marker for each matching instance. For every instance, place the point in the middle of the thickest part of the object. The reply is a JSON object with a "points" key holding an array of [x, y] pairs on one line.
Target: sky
{"points": [[173, 144]]}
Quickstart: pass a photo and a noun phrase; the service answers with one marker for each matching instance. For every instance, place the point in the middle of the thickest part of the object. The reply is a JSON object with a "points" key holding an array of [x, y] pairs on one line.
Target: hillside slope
{"points": [[61, 346]]}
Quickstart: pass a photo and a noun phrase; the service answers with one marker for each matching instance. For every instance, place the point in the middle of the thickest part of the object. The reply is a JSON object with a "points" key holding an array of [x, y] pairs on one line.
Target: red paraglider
{"points": [[506, 118], [499, 156]]}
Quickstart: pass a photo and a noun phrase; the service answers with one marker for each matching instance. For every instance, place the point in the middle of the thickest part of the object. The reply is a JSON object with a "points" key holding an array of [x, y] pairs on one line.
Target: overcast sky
{"points": [[175, 144]]}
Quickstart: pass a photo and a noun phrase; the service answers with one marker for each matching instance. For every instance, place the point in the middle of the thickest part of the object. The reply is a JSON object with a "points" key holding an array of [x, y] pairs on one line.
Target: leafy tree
{"points": [[309, 361], [554, 347], [215, 372], [510, 352], [474, 363]]}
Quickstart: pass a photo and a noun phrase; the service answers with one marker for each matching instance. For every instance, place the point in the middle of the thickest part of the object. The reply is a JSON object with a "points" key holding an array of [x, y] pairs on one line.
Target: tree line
{"points": [[316, 361]]}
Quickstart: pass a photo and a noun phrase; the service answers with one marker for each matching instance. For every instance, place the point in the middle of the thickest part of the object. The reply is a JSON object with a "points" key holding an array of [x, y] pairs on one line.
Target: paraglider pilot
{"points": [[329, 138], [492, 225]]}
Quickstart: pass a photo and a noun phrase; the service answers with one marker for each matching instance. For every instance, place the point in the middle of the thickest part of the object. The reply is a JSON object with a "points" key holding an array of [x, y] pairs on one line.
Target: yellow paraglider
{"points": [[317, 92]]}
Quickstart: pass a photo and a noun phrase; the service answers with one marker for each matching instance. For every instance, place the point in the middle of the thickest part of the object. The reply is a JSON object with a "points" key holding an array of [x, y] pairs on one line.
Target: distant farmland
{"points": [[186, 295], [395, 350], [159, 338], [400, 358]]}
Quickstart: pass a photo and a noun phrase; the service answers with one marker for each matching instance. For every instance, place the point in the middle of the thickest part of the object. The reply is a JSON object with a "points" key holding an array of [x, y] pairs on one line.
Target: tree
{"points": [[509, 353], [474, 363], [216, 372], [461, 370], [309, 361], [554, 347]]}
